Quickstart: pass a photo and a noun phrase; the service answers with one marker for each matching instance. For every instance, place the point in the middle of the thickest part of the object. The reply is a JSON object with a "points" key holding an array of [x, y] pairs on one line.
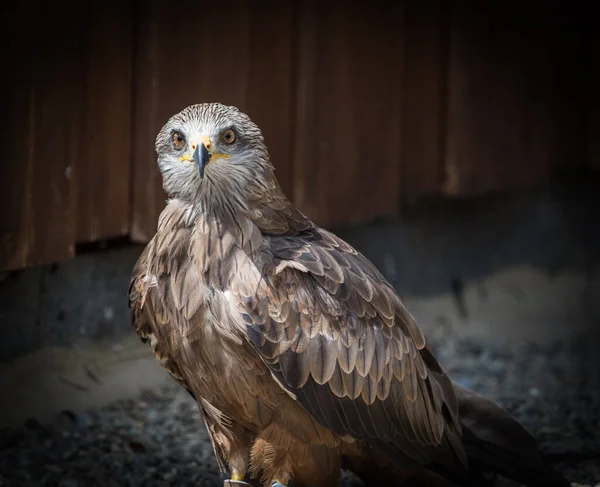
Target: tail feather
{"points": [[496, 442]]}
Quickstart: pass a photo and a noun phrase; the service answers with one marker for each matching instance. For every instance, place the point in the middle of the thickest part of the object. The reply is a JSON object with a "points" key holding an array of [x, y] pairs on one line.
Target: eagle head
{"points": [[214, 148]]}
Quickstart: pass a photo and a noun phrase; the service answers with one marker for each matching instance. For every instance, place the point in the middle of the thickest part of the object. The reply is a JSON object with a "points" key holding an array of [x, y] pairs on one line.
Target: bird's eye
{"points": [[229, 136], [178, 140]]}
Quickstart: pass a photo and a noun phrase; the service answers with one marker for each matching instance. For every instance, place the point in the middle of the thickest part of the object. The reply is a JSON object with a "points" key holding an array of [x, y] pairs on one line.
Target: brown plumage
{"points": [[301, 356]]}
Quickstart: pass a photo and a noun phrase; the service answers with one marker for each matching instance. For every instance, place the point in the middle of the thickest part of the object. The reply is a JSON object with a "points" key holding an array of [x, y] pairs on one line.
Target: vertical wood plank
{"points": [[347, 145], [568, 41], [146, 185], [270, 97], [103, 176], [593, 88], [424, 99], [42, 116], [187, 59], [502, 107], [17, 123]]}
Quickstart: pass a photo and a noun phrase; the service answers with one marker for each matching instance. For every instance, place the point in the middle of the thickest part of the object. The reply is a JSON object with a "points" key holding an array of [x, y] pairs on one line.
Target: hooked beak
{"points": [[201, 158]]}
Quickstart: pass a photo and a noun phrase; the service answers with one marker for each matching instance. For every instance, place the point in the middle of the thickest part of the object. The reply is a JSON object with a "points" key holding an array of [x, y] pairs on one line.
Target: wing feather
{"points": [[322, 357], [350, 352]]}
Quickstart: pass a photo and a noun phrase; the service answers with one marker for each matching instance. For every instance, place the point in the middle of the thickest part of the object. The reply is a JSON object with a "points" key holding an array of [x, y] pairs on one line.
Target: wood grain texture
{"points": [[193, 58], [347, 144], [503, 114], [103, 174], [424, 99], [42, 115]]}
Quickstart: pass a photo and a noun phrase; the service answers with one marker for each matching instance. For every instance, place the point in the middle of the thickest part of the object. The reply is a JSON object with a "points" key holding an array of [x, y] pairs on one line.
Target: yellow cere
{"points": [[186, 158], [219, 156]]}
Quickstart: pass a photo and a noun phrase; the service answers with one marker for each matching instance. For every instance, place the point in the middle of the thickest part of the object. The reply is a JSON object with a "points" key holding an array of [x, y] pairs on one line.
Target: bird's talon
{"points": [[277, 484]]}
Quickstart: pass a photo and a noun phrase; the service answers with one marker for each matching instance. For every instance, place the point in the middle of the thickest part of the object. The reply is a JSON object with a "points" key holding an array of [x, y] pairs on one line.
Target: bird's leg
{"points": [[270, 461], [280, 480], [237, 479], [235, 483], [237, 459], [232, 450], [238, 462]]}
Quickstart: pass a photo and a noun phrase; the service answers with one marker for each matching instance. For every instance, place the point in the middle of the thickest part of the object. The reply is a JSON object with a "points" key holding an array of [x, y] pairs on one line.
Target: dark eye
{"points": [[228, 136], [178, 140]]}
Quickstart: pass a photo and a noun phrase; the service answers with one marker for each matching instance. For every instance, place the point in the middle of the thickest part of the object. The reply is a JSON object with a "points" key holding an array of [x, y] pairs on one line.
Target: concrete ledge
{"points": [[81, 377]]}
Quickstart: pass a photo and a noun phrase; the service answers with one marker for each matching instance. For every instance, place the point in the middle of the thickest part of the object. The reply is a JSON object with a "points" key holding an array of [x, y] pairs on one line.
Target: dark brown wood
{"points": [[17, 120], [198, 57], [146, 185], [424, 99], [42, 115], [347, 145], [593, 91], [270, 97], [103, 175], [503, 128], [569, 44], [361, 106]]}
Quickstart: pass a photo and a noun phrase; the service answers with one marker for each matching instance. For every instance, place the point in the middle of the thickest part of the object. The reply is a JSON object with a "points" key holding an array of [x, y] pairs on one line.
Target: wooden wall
{"points": [[103, 178], [592, 64], [42, 114], [510, 127], [363, 108]]}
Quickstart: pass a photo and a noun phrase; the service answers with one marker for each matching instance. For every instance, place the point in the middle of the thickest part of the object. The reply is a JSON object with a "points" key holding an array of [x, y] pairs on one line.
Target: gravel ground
{"points": [[157, 439]]}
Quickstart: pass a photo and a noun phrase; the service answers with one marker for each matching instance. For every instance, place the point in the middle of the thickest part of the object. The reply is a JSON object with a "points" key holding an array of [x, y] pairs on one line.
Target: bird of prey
{"points": [[302, 358]]}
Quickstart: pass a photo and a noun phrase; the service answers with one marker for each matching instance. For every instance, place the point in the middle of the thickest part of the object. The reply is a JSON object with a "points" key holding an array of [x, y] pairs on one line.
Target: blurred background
{"points": [[456, 144]]}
